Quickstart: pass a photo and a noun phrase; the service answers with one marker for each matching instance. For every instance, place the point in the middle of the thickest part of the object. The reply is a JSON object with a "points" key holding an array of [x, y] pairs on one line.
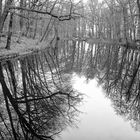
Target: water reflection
{"points": [[99, 120], [116, 68], [38, 100]]}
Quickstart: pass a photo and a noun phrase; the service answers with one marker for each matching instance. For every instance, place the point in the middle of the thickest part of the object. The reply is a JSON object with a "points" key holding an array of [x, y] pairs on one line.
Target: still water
{"points": [[47, 82], [98, 120]]}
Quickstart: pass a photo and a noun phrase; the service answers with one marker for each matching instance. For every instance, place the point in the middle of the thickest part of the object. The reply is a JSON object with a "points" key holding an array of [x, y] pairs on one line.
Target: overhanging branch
{"points": [[60, 18]]}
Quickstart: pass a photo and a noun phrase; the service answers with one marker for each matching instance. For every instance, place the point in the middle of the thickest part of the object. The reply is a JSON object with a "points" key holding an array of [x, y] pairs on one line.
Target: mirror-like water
{"points": [[98, 120], [39, 100]]}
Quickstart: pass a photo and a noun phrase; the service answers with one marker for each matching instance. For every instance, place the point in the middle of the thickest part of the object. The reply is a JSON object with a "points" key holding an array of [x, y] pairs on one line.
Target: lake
{"points": [[44, 94]]}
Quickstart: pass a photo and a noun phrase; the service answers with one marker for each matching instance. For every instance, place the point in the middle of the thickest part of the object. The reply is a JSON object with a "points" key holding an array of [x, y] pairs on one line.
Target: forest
{"points": [[42, 42]]}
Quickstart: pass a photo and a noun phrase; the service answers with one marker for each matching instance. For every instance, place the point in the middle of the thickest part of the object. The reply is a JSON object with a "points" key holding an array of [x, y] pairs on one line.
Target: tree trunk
{"points": [[21, 18], [4, 13], [138, 28], [0, 7], [0, 15], [9, 32]]}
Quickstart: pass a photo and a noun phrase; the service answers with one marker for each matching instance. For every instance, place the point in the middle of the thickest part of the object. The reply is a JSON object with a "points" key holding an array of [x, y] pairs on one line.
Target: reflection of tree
{"points": [[120, 77], [39, 101], [83, 58], [117, 69]]}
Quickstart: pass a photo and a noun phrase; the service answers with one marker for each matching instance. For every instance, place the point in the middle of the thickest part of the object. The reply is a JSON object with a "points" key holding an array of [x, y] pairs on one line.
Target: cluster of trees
{"points": [[111, 19], [36, 93], [37, 18]]}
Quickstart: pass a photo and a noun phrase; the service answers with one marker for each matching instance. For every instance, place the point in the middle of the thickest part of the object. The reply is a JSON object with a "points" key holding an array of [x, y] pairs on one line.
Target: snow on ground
{"points": [[25, 47]]}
